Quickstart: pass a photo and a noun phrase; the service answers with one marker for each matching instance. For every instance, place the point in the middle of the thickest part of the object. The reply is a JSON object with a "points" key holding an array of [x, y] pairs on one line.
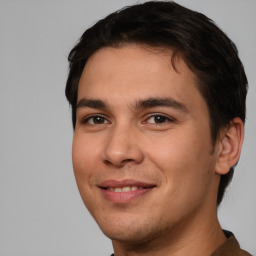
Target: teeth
{"points": [[125, 189]]}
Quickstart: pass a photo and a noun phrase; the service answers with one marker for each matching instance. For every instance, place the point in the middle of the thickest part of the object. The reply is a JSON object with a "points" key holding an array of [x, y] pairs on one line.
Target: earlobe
{"points": [[230, 144]]}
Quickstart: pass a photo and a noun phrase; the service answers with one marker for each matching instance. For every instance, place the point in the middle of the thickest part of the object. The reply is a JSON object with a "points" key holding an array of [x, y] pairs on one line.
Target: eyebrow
{"points": [[140, 104], [91, 103], [161, 102]]}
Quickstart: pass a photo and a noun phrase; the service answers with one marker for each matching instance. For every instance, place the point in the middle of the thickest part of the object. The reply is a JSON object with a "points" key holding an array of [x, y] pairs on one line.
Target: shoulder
{"points": [[231, 247]]}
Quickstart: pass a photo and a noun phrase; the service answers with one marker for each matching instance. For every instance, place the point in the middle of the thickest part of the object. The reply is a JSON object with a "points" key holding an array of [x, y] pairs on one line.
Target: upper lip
{"points": [[124, 183]]}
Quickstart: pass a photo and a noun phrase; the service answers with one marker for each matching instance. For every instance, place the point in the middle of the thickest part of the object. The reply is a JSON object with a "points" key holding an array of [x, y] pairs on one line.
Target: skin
{"points": [[173, 151]]}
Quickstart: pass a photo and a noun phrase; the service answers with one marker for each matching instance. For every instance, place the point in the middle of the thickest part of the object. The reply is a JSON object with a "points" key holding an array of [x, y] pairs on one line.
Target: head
{"points": [[191, 36]]}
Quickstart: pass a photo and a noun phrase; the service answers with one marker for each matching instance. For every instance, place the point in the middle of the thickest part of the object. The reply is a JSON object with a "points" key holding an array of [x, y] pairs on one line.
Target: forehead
{"points": [[131, 72]]}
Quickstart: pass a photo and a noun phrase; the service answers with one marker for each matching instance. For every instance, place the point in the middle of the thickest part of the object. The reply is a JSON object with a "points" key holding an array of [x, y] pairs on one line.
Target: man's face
{"points": [[142, 149]]}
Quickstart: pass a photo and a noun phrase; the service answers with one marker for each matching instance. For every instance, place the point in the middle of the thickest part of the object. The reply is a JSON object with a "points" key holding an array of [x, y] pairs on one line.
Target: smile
{"points": [[124, 191]]}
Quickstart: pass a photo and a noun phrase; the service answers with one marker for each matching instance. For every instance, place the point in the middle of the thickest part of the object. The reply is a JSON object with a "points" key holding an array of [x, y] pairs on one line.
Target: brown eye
{"points": [[96, 120], [158, 119]]}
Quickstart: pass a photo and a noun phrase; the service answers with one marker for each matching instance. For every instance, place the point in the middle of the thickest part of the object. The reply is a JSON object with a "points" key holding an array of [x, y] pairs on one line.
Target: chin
{"points": [[131, 237], [137, 232]]}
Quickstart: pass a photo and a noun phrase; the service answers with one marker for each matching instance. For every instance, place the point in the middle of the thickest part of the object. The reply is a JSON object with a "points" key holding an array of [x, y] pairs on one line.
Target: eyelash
{"points": [[167, 119], [86, 120]]}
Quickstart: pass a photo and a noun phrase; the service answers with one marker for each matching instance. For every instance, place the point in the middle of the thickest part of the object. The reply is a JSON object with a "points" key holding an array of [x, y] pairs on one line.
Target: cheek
{"points": [[185, 177], [184, 159], [84, 157], [177, 149]]}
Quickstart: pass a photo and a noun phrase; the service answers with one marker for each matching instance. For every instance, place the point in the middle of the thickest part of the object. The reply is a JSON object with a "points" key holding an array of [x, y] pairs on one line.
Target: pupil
{"points": [[160, 119], [98, 120]]}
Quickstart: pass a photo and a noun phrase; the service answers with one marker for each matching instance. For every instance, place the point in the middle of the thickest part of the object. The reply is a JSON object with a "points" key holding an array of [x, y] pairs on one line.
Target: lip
{"points": [[124, 197], [123, 183]]}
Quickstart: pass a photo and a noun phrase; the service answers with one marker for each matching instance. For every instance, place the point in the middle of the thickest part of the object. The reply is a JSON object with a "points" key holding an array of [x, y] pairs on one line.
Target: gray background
{"points": [[41, 212]]}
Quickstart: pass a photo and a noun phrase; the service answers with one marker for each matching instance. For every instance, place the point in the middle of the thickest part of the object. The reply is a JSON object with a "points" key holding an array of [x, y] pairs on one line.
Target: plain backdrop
{"points": [[41, 212]]}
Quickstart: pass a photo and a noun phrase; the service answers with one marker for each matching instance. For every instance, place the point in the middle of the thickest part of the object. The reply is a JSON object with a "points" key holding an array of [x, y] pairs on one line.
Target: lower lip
{"points": [[124, 197]]}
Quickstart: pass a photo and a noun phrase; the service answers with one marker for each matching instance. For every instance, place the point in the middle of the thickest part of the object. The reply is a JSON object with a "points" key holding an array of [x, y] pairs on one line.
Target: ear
{"points": [[230, 143]]}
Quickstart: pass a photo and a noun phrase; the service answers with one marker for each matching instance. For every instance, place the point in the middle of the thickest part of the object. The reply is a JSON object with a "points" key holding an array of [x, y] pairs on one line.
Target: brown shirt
{"points": [[230, 248]]}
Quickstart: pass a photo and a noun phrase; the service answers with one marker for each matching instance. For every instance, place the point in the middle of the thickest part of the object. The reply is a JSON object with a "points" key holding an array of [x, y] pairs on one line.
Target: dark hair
{"points": [[207, 51]]}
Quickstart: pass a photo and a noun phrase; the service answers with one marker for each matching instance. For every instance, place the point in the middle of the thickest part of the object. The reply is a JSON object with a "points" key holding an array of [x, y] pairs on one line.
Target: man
{"points": [[158, 106]]}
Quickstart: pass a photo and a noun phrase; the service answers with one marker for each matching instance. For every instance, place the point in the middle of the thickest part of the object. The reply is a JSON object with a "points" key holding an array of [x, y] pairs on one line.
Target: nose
{"points": [[122, 147]]}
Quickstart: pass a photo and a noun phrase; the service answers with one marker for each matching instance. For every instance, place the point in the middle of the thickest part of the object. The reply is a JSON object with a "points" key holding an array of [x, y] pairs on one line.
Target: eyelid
{"points": [[85, 119], [169, 118]]}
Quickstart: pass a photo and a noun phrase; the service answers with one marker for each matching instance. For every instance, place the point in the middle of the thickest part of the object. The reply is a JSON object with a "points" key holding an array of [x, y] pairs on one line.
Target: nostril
{"points": [[127, 160], [119, 155], [107, 162], [121, 163]]}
